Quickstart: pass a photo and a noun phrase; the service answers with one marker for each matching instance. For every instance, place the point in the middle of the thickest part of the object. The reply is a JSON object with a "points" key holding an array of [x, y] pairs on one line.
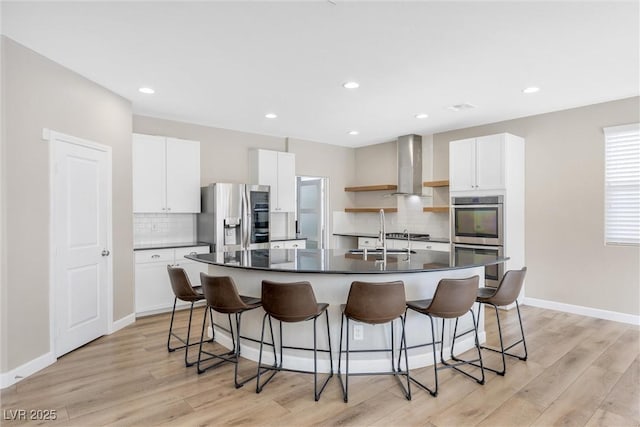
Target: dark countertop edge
{"points": [[432, 239], [168, 245], [284, 270], [284, 239]]}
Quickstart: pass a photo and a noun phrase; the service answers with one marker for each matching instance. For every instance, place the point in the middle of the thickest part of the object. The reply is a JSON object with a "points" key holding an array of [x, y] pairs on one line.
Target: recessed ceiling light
{"points": [[271, 116], [531, 89], [351, 85], [353, 132], [146, 90], [421, 116]]}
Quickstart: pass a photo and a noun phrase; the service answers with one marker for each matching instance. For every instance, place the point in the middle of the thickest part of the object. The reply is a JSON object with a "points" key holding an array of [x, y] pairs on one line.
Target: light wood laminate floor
{"points": [[581, 371]]}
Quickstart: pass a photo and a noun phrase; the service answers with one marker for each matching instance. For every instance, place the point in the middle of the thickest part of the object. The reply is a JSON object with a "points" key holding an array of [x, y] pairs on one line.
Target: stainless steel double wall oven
{"points": [[477, 231]]}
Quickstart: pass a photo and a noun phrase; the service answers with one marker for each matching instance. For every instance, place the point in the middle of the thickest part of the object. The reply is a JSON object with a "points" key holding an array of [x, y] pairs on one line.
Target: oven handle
{"points": [[491, 248], [478, 206]]}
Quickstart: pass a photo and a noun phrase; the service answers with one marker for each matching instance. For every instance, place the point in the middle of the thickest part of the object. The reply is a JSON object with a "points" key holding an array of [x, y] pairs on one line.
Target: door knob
{"points": [[105, 252]]}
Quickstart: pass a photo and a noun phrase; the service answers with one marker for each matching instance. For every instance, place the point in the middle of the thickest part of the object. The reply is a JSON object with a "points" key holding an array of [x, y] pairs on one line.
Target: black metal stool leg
{"points": [[462, 361], [186, 350], [259, 386], [173, 313]]}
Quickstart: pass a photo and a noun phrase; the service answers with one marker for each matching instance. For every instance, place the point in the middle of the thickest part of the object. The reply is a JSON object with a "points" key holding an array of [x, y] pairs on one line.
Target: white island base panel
{"points": [[334, 289]]}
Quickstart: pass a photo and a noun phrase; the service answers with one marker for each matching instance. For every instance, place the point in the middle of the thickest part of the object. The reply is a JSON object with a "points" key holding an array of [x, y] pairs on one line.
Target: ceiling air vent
{"points": [[458, 107]]}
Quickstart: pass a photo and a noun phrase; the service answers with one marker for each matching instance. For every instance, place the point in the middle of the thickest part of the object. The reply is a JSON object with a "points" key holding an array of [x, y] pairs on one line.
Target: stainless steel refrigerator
{"points": [[234, 217]]}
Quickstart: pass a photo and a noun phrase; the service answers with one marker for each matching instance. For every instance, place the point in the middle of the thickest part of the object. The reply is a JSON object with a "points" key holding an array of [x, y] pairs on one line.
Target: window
{"points": [[622, 185]]}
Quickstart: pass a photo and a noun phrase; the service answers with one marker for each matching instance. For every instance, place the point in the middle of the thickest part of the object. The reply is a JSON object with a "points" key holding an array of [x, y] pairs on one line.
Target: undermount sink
{"points": [[379, 251]]}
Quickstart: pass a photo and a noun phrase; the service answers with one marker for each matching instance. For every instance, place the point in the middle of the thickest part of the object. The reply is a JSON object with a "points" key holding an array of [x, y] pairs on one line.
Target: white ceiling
{"points": [[226, 64]]}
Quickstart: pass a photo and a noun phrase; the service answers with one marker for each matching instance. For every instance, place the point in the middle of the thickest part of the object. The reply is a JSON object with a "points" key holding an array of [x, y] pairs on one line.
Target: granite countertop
{"points": [[341, 261], [167, 245], [375, 236]]}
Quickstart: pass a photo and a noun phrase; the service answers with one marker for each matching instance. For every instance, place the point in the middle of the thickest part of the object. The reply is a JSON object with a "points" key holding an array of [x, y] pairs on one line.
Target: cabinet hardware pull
{"points": [[155, 256], [193, 253]]}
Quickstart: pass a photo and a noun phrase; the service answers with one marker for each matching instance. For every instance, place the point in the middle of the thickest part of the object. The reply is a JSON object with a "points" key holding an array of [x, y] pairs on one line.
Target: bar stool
{"points": [[222, 296], [453, 298], [292, 303], [506, 293], [375, 304], [182, 290]]}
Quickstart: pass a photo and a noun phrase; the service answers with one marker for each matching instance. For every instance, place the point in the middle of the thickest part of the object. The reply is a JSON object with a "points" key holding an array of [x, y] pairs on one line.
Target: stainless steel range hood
{"points": [[409, 148]]}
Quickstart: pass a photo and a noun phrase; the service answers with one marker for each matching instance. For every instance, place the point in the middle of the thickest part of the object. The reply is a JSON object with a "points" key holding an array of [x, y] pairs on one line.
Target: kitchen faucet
{"points": [[408, 240], [382, 236]]}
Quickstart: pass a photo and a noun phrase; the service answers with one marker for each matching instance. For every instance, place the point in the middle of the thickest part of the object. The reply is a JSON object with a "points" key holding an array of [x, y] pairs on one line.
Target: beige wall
{"points": [[42, 94], [3, 205], [224, 154], [567, 259], [332, 161]]}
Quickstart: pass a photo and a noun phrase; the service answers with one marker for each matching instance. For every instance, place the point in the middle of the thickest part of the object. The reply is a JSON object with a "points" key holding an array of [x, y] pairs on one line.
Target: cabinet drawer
{"points": [[295, 244], [433, 246], [164, 256], [192, 250], [367, 242]]}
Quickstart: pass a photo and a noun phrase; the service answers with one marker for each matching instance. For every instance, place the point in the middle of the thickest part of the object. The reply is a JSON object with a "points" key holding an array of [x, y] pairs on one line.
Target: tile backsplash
{"points": [[164, 228], [409, 216]]}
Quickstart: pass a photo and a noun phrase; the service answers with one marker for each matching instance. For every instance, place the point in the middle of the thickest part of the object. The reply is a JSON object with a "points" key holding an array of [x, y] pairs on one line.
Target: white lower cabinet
{"points": [[367, 242], [152, 286], [432, 246], [289, 244]]}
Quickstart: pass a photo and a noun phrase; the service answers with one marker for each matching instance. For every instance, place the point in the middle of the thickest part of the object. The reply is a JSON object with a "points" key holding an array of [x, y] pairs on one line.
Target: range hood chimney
{"points": [[409, 149]]}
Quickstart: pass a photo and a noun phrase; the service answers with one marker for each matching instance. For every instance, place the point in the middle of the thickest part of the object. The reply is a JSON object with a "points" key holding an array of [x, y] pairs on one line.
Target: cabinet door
{"points": [[153, 289], [183, 176], [148, 158], [490, 162], [462, 165], [286, 182], [268, 175]]}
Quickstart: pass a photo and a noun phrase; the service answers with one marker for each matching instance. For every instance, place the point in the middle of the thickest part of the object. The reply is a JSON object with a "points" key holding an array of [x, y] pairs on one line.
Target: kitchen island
{"points": [[330, 272]]}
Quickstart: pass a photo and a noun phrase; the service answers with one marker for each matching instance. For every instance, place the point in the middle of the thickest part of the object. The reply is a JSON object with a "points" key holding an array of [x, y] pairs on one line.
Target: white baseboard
{"points": [[10, 378], [631, 319], [250, 350], [121, 323]]}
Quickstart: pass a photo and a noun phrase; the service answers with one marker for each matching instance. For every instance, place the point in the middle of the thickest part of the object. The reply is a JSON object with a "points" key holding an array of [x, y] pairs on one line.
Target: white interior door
{"points": [[80, 241]]}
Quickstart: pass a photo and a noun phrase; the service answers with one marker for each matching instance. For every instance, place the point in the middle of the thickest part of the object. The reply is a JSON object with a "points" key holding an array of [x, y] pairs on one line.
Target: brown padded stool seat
{"points": [[452, 299], [222, 296], [291, 303], [505, 294], [374, 303], [184, 291]]}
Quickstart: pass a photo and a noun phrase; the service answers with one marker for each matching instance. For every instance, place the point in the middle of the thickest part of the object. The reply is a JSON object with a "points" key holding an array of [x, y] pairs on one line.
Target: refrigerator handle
{"points": [[246, 227]]}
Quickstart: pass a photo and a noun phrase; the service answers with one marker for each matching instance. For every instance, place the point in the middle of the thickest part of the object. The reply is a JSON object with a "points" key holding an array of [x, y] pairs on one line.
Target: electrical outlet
{"points": [[358, 332]]}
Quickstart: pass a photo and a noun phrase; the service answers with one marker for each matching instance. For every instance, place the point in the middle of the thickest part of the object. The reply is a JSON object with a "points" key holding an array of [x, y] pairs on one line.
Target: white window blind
{"points": [[622, 185]]}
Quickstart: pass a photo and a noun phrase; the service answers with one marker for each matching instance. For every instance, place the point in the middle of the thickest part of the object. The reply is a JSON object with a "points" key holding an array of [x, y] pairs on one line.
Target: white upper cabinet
{"points": [[462, 164], [183, 176], [481, 164], [166, 175], [278, 170]]}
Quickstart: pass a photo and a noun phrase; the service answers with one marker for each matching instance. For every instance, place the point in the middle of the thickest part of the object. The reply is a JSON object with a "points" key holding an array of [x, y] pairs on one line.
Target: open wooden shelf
{"points": [[370, 210], [383, 187], [436, 209], [442, 183]]}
